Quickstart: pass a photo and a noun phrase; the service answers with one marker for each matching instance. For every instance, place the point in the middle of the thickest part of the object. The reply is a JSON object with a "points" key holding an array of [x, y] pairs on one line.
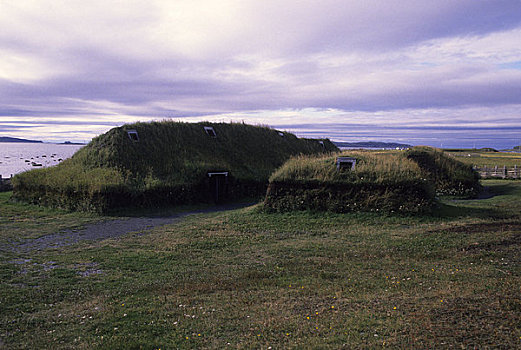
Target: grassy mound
{"points": [[451, 177], [379, 182], [164, 163]]}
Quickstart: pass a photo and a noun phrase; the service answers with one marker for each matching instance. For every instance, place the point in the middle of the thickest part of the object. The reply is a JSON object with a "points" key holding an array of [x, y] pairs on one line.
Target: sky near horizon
{"points": [[443, 73]]}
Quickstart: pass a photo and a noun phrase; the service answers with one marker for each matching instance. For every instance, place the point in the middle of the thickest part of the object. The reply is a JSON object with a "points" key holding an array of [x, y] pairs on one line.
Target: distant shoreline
{"points": [[370, 144], [17, 140], [4, 139]]}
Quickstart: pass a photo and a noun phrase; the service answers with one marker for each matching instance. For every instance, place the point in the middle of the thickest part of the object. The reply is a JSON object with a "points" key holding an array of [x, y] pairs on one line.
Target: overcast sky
{"points": [[443, 72]]}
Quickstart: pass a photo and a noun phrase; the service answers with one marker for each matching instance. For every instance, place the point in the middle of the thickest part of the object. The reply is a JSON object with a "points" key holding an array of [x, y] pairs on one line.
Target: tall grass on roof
{"points": [[370, 167], [450, 176]]}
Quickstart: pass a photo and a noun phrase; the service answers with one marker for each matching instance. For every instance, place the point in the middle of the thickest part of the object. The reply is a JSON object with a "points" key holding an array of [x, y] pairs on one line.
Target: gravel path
{"points": [[110, 229]]}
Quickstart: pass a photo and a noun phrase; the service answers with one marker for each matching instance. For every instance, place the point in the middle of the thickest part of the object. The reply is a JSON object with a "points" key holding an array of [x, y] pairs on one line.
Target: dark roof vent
{"points": [[210, 131], [132, 134]]}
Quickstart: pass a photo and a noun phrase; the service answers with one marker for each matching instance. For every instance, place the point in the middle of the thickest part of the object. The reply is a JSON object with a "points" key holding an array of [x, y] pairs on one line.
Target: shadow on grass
{"points": [[505, 188], [447, 210], [161, 212], [498, 192]]}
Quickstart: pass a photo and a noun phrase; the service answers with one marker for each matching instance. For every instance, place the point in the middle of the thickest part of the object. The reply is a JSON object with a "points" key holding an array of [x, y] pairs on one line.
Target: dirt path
{"points": [[110, 229]]}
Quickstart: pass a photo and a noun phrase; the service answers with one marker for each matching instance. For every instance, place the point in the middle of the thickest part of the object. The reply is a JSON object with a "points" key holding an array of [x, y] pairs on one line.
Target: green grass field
{"points": [[247, 279], [489, 159]]}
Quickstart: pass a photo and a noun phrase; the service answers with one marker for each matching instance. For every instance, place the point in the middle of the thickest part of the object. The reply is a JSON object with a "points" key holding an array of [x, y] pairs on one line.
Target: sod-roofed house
{"points": [[165, 163], [367, 181]]}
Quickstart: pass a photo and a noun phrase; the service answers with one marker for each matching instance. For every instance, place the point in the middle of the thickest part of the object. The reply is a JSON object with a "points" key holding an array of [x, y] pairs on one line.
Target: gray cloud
{"points": [[90, 61], [377, 25]]}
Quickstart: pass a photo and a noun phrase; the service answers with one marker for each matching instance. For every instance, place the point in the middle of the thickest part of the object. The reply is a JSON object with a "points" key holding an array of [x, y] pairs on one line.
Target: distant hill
{"points": [[371, 144], [71, 143], [14, 139]]}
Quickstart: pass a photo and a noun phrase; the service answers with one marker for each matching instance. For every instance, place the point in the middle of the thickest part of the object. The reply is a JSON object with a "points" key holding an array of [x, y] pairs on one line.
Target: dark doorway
{"points": [[218, 185], [345, 163]]}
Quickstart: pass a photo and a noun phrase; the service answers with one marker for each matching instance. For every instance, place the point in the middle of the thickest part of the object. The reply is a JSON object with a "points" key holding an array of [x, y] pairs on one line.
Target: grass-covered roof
{"points": [[165, 157], [180, 152]]}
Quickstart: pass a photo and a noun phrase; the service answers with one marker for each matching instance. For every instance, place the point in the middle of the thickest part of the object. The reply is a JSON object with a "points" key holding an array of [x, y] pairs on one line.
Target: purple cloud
{"points": [[92, 62]]}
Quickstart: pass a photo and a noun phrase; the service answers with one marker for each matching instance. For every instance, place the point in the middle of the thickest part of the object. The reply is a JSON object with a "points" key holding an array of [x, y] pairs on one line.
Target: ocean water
{"points": [[19, 157]]}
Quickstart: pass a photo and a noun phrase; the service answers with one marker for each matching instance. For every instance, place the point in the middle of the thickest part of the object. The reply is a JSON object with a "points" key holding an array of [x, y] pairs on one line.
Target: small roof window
{"points": [[132, 134], [281, 134], [210, 131]]}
